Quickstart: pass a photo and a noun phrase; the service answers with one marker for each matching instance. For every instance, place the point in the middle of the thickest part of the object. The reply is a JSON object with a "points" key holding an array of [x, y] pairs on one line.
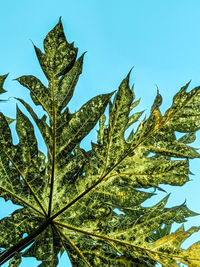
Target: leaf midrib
{"points": [[54, 148], [22, 200], [29, 186], [164, 122], [61, 234], [121, 241], [110, 139], [74, 135], [70, 88]]}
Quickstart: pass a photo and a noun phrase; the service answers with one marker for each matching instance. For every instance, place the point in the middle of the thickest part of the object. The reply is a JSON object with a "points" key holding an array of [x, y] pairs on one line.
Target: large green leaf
{"points": [[71, 199]]}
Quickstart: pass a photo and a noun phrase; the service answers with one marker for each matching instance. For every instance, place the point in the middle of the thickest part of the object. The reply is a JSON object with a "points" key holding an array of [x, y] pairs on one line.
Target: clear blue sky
{"points": [[161, 39]]}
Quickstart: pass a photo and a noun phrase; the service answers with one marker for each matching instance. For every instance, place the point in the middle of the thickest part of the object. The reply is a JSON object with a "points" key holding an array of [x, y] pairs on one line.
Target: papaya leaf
{"points": [[2, 79], [71, 198], [2, 90], [172, 242]]}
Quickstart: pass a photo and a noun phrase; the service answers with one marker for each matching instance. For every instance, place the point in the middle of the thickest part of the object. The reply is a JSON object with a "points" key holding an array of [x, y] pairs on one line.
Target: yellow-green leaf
{"points": [[89, 203]]}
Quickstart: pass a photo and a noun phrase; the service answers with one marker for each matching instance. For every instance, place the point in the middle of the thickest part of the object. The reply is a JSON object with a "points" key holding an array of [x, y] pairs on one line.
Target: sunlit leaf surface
{"points": [[69, 198]]}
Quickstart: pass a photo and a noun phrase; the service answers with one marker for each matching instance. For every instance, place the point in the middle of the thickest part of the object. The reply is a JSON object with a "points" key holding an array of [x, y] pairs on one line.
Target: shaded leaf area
{"points": [[15, 261], [20, 222], [2, 80], [47, 253], [131, 237], [69, 197], [97, 252], [22, 166], [2, 90]]}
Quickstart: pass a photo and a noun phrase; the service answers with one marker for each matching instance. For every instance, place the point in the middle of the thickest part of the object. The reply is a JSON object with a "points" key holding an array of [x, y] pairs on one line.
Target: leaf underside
{"points": [[75, 192]]}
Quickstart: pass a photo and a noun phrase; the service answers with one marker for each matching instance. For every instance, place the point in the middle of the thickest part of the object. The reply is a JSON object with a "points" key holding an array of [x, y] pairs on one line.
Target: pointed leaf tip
{"points": [[157, 102], [125, 81], [2, 80], [129, 73], [100, 179]]}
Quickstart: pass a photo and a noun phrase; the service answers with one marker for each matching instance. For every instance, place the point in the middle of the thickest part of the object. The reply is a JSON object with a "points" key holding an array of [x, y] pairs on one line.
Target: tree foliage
{"points": [[68, 198]]}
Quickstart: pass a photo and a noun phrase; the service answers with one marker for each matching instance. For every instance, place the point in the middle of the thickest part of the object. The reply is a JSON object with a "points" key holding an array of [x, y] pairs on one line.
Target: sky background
{"points": [[161, 39]]}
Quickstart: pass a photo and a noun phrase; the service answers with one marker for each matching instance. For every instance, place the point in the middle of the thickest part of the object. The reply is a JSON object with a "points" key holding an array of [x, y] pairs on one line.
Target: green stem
{"points": [[25, 242]]}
